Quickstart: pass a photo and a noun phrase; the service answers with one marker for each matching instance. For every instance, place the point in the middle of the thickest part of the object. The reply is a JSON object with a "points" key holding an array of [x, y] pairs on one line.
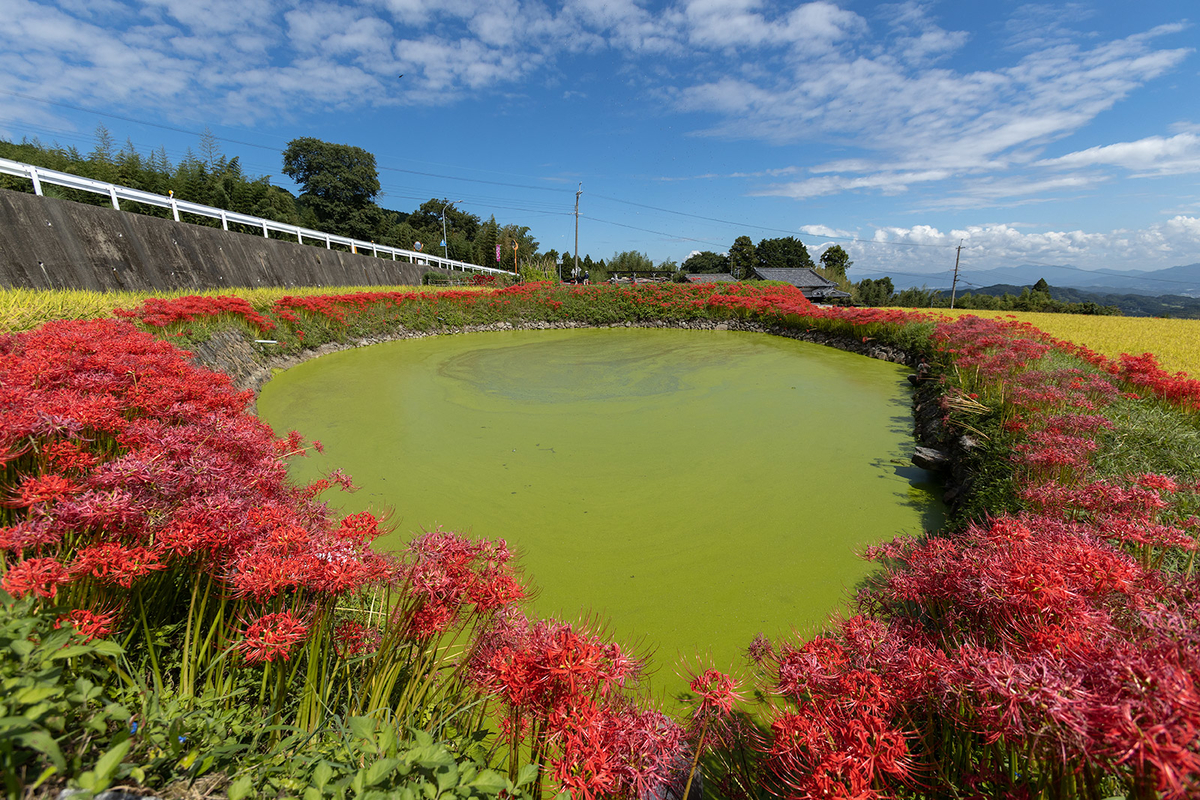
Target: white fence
{"points": [[41, 175]]}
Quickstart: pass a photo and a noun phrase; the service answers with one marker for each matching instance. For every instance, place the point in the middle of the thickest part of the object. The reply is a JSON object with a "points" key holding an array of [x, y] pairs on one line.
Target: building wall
{"points": [[48, 243]]}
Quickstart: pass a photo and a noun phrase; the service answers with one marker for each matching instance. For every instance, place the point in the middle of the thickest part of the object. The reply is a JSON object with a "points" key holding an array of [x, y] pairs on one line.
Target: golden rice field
{"points": [[1176, 342], [22, 309]]}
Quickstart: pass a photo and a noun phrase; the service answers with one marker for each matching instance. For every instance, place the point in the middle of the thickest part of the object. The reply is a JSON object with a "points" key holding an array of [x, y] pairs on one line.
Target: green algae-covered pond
{"points": [[692, 487]]}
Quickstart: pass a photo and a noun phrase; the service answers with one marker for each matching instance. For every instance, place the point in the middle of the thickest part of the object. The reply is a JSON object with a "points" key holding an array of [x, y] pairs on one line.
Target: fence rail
{"points": [[41, 175]]}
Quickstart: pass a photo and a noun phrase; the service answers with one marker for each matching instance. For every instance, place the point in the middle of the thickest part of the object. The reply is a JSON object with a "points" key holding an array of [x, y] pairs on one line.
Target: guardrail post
{"points": [[265, 234], [175, 209], [224, 221], [299, 237], [353, 249], [37, 185], [112, 192], [328, 246]]}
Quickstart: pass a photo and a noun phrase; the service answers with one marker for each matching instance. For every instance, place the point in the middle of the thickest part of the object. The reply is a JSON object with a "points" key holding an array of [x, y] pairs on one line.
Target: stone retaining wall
{"points": [[48, 243]]}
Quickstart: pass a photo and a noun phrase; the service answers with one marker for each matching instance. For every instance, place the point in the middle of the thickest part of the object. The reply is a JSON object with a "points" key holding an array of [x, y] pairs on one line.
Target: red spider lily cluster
{"points": [[1042, 652], [563, 695], [449, 575], [123, 460], [160, 313]]}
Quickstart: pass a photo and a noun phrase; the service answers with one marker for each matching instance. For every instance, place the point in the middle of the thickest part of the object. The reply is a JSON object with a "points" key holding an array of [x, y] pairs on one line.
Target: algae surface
{"points": [[694, 488]]}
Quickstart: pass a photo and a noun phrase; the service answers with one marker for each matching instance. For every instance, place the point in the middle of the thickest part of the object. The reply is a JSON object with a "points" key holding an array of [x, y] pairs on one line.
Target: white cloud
{"points": [[921, 123], [825, 230], [927, 249], [1154, 155], [887, 182]]}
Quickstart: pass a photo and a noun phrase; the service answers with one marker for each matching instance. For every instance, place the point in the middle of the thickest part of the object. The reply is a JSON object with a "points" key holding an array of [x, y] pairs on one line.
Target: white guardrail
{"points": [[40, 175]]}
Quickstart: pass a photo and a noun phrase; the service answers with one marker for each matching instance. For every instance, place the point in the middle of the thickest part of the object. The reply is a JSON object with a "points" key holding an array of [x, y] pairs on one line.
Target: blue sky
{"points": [[1058, 133]]}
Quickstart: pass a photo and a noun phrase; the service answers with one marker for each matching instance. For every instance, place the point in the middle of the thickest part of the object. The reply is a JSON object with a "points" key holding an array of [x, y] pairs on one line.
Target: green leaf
{"points": [[36, 694], [106, 648], [362, 727], [447, 776], [240, 788], [44, 743], [71, 652], [493, 782], [322, 774], [527, 774], [380, 770], [46, 773], [106, 766]]}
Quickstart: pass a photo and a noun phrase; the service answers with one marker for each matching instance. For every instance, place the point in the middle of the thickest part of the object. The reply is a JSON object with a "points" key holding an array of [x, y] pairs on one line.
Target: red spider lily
{"points": [[38, 576], [760, 650], [717, 693], [352, 638], [89, 623], [116, 563], [272, 636], [45, 489]]}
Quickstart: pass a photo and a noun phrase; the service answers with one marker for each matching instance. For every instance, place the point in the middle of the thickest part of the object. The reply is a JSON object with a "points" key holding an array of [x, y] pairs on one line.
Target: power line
{"points": [[765, 227], [649, 230]]}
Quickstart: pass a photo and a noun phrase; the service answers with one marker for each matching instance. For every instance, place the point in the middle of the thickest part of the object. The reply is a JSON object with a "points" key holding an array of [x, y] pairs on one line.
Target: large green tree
{"points": [[630, 261], [787, 252], [742, 257], [706, 261], [340, 185], [836, 261], [874, 291]]}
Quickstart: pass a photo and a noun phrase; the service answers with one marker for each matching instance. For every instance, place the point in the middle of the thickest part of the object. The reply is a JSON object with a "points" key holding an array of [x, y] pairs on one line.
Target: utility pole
{"points": [[577, 228], [954, 284]]}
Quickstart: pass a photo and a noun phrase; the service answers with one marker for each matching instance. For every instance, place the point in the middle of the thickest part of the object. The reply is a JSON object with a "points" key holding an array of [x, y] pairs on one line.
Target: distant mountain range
{"points": [[1183, 281], [1131, 304]]}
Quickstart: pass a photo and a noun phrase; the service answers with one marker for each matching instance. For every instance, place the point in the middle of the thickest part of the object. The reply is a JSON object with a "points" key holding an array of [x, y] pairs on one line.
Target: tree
{"points": [[706, 261], [340, 184], [836, 261], [528, 246], [1042, 286], [428, 217], [874, 291], [210, 151], [742, 256], [787, 252], [485, 243], [630, 261]]}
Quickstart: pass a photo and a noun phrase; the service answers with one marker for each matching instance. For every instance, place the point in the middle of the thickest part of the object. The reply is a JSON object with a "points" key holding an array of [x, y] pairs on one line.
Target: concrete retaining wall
{"points": [[50, 243]]}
